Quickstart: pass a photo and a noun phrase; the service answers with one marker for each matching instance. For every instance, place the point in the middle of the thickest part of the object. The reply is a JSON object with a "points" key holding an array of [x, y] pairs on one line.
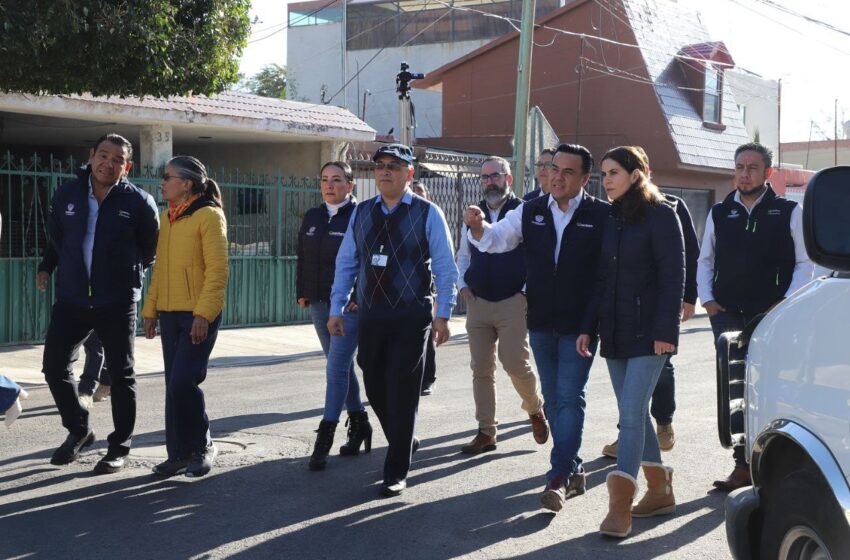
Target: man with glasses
{"points": [[541, 171], [393, 244], [492, 286], [561, 236], [103, 231]]}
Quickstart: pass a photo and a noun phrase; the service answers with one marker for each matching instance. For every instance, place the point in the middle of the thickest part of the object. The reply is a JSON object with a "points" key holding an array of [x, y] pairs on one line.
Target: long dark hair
{"points": [[642, 193], [191, 169]]}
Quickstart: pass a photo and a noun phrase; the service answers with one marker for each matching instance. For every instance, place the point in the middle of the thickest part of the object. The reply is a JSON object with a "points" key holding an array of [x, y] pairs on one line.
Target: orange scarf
{"points": [[177, 210]]}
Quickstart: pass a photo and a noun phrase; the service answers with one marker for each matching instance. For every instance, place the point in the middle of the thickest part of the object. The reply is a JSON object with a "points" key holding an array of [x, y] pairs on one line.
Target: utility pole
{"points": [[523, 87], [405, 116], [779, 124], [835, 143]]}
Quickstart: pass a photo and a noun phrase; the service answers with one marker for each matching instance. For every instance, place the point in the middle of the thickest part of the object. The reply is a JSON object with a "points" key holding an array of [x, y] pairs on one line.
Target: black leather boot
{"points": [[324, 442], [359, 431]]}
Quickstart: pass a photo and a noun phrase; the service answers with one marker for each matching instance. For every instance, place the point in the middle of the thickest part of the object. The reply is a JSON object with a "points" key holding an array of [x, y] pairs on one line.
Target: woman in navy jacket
{"points": [[635, 308], [319, 240]]}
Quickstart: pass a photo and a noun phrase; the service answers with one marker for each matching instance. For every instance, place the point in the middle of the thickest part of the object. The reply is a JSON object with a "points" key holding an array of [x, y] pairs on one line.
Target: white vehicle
{"points": [[791, 371]]}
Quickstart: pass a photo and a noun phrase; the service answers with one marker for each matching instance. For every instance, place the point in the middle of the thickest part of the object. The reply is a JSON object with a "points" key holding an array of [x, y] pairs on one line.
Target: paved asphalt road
{"points": [[262, 502]]}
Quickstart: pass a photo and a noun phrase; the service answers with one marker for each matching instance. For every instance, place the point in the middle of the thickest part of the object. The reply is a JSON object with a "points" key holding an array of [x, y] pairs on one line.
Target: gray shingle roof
{"points": [[292, 115], [662, 28]]}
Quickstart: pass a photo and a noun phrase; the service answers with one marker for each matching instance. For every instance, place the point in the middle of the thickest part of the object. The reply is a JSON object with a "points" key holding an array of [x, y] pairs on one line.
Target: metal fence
{"points": [[263, 213]]}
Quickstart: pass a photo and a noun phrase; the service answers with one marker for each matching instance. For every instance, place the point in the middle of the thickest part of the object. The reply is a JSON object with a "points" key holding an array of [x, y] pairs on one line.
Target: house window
{"points": [[713, 96]]}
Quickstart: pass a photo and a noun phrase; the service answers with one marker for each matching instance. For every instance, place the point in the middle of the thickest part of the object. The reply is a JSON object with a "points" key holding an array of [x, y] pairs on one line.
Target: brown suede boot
{"points": [[659, 498], [621, 492]]}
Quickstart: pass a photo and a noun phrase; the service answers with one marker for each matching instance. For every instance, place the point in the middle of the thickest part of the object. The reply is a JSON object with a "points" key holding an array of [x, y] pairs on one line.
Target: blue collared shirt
{"points": [[91, 226], [439, 245]]}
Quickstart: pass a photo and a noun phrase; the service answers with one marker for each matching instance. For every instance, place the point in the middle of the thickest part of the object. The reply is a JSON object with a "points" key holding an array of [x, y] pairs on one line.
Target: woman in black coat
{"points": [[636, 311], [319, 240]]}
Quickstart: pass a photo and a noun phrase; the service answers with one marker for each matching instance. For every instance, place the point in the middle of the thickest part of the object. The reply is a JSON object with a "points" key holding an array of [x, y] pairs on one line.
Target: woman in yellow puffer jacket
{"points": [[186, 296]]}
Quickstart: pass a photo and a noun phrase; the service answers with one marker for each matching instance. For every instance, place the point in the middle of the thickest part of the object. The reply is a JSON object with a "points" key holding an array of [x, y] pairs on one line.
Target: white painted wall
{"points": [[758, 95], [313, 56]]}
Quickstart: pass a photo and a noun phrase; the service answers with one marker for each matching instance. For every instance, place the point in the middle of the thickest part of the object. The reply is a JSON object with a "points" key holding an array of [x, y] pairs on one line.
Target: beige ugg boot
{"points": [[659, 498], [621, 492]]}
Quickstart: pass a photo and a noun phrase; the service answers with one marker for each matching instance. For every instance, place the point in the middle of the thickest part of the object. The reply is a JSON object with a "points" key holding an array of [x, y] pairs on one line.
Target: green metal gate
{"points": [[263, 213]]}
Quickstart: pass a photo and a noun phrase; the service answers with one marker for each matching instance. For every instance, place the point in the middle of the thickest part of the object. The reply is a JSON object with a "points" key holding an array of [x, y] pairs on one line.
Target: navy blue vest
{"points": [[558, 293], [496, 276], [754, 255], [398, 285]]}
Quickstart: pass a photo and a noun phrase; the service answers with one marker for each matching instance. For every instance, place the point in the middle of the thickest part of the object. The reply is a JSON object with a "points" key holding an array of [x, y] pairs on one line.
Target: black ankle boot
{"points": [[324, 442], [359, 431]]}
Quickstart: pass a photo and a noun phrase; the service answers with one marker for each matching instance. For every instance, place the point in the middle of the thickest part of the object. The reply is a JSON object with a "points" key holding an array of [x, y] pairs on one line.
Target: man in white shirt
{"points": [[752, 257], [561, 235]]}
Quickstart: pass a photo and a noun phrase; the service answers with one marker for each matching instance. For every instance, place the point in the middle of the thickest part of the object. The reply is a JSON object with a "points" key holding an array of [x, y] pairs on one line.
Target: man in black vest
{"points": [[393, 244], [492, 285], [752, 257], [541, 170], [561, 235]]}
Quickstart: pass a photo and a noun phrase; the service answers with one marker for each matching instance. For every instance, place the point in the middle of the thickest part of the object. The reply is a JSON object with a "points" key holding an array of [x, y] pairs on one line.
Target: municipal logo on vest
{"points": [[538, 220], [69, 210], [312, 230], [734, 213], [774, 212], [579, 224]]}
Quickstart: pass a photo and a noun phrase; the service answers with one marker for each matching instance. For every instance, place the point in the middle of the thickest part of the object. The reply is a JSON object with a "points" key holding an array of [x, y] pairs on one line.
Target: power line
{"points": [[803, 16], [292, 22], [386, 45]]}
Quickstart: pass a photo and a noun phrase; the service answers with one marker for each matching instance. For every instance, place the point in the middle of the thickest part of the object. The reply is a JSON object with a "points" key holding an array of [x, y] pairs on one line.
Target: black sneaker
{"points": [[111, 463], [201, 462], [70, 450], [171, 467], [427, 389]]}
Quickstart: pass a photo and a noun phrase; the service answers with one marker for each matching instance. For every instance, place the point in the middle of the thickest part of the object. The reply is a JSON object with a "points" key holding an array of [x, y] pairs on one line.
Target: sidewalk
{"points": [[234, 347]]}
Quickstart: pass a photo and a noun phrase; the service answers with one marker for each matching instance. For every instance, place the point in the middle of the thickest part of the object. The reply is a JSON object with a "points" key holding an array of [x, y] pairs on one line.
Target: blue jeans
{"points": [[563, 381], [342, 385], [187, 427], [634, 380]]}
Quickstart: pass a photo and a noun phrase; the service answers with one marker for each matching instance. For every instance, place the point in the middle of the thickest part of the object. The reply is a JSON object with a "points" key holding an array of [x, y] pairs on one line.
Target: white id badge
{"points": [[379, 260]]}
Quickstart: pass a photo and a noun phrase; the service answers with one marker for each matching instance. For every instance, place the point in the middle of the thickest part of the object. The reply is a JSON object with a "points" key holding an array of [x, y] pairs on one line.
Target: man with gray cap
{"points": [[394, 242]]}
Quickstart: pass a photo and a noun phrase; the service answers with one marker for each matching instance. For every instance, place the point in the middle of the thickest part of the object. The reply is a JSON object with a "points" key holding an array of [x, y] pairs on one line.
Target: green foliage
{"points": [[121, 47], [273, 80]]}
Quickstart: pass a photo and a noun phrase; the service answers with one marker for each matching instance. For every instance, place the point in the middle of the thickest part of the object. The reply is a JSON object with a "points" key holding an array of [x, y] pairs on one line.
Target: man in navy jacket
{"points": [[103, 230], [561, 234]]}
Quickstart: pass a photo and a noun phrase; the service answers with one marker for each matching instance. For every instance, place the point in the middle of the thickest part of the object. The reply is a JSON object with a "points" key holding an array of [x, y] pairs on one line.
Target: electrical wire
{"points": [[290, 23]]}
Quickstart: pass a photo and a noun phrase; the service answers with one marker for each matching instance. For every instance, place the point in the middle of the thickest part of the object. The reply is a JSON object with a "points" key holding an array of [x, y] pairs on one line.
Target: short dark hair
{"points": [[578, 150], [346, 169], [766, 153], [118, 140], [550, 151]]}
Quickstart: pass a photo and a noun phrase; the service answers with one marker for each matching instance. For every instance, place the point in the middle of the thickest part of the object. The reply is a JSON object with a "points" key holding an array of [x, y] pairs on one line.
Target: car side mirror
{"points": [[826, 218]]}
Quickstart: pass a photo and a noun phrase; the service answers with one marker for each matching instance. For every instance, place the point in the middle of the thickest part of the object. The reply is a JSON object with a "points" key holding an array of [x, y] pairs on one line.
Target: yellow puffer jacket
{"points": [[190, 273]]}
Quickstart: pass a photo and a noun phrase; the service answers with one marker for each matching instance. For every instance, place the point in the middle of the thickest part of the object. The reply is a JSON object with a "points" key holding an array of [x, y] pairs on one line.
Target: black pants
{"points": [[94, 370], [664, 395], [391, 354], [116, 328], [187, 427], [721, 322], [430, 362]]}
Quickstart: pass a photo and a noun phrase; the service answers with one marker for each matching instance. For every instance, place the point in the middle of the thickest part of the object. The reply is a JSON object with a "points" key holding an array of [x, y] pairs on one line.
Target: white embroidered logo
{"points": [[312, 230], [123, 214], [538, 220], [733, 213], [70, 210]]}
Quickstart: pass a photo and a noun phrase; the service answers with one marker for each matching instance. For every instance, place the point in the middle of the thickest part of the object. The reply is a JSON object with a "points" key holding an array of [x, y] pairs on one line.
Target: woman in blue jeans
{"points": [[319, 240], [635, 309]]}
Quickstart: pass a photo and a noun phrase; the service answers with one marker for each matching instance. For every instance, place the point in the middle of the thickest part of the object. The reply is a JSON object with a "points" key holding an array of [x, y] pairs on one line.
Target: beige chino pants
{"points": [[489, 322]]}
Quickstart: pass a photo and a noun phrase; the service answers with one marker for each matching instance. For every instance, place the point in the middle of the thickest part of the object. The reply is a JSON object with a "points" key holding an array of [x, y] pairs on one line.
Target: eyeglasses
{"points": [[166, 177], [491, 177], [392, 166], [543, 166]]}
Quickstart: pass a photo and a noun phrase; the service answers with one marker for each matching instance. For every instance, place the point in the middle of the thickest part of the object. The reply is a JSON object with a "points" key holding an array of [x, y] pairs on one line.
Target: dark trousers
{"points": [[115, 325], [187, 427], [721, 322], [664, 395], [391, 354], [94, 369], [430, 363]]}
